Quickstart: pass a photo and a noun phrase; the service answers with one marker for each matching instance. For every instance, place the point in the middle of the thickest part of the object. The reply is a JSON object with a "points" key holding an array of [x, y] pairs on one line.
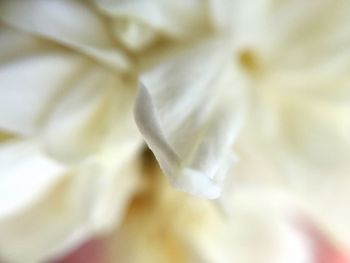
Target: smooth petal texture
{"points": [[228, 15], [306, 116], [315, 33], [189, 115], [135, 35], [70, 23], [76, 126], [37, 231], [177, 19], [26, 175], [164, 225], [72, 210], [308, 84], [114, 190], [121, 169], [107, 190], [35, 81], [14, 44], [159, 223], [68, 140], [84, 117], [259, 228]]}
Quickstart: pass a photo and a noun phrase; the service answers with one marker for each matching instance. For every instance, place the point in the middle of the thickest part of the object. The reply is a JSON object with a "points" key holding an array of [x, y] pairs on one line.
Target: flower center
{"points": [[248, 60]]}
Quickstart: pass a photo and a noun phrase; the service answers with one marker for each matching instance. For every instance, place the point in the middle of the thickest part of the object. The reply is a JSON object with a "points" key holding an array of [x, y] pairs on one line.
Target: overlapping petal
{"points": [[68, 139], [36, 77], [26, 174], [69, 23], [163, 224], [60, 205], [189, 111], [180, 19]]}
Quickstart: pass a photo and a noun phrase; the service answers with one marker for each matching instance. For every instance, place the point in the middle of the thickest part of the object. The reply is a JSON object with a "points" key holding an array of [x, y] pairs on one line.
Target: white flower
{"points": [[289, 91], [69, 147], [165, 225], [69, 152], [272, 78], [263, 79]]}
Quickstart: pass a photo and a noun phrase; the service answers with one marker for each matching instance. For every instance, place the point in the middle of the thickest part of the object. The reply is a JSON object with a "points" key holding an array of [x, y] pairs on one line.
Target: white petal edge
{"points": [[26, 175], [196, 89], [70, 23]]}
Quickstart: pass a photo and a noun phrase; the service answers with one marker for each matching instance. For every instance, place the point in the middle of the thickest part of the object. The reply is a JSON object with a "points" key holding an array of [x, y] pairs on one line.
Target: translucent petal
{"points": [[164, 225], [251, 234], [70, 23], [189, 114], [26, 175], [28, 87], [65, 99], [72, 210], [133, 34], [113, 190], [305, 114], [310, 34], [160, 223], [179, 19], [35, 232], [15, 44], [245, 21], [82, 118]]}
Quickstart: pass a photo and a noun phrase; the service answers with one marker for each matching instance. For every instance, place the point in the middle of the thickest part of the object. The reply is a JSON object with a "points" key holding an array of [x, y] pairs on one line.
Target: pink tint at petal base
{"points": [[324, 250], [326, 253], [91, 251]]}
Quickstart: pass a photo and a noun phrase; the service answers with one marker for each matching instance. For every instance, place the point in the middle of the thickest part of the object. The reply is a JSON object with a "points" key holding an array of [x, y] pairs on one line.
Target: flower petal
{"points": [[70, 23], [189, 113], [69, 212], [26, 174], [31, 83], [86, 113], [174, 18]]}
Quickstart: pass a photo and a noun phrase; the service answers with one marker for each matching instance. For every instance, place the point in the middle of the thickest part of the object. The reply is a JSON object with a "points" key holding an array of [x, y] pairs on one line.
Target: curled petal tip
{"points": [[196, 183]]}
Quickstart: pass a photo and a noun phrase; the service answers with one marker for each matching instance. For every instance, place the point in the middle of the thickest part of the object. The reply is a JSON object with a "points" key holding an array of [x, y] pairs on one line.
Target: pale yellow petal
{"points": [[29, 85], [189, 112], [71, 23]]}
